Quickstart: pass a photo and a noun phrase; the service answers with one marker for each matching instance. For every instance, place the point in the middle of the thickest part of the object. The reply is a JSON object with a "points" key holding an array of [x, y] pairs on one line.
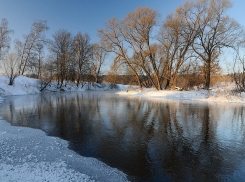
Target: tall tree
{"points": [[39, 59], [238, 72], [4, 38], [10, 66], [133, 35], [99, 56], [176, 36], [136, 30], [82, 50], [25, 49], [61, 49], [36, 60], [216, 31], [114, 42]]}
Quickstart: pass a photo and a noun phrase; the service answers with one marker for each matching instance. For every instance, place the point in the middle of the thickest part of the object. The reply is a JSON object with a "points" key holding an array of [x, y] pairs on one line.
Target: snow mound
{"points": [[22, 86]]}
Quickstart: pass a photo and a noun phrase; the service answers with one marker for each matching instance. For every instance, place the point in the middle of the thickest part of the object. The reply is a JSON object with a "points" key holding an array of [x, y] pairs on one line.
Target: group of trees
{"points": [[196, 32], [152, 52], [70, 57]]}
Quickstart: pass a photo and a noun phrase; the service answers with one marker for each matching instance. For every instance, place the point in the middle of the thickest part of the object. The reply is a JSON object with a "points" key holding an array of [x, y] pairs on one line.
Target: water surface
{"points": [[148, 139]]}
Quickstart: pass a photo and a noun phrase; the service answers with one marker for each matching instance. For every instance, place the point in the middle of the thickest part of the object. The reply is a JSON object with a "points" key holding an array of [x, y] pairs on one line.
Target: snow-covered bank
{"points": [[223, 92], [220, 93], [30, 155], [24, 86]]}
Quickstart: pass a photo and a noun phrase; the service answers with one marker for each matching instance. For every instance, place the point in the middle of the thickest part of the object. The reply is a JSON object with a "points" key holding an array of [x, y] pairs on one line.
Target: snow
{"points": [[39, 172], [224, 92], [24, 86], [29, 155]]}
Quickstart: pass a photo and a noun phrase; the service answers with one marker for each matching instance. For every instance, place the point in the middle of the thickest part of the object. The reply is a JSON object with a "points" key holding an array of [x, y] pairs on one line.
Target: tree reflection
{"points": [[151, 140]]}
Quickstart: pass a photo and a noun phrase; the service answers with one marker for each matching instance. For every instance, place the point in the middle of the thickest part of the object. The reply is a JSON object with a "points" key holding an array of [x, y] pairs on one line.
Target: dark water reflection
{"points": [[150, 140]]}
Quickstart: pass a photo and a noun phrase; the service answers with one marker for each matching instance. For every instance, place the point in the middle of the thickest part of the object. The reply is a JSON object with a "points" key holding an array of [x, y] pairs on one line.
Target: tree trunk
{"points": [[150, 78], [167, 84], [208, 73], [78, 79], [175, 76], [39, 66], [96, 79], [175, 81], [139, 81], [137, 76]]}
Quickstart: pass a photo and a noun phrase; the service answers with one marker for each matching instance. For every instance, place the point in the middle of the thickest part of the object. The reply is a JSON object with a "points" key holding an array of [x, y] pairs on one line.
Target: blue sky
{"points": [[73, 15], [84, 15]]}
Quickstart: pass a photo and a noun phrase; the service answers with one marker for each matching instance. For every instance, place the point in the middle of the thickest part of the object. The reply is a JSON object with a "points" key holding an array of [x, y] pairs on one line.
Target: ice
{"points": [[29, 155]]}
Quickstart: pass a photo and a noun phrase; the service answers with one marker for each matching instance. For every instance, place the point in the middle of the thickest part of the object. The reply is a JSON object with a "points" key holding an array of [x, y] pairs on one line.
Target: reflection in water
{"points": [[149, 140]]}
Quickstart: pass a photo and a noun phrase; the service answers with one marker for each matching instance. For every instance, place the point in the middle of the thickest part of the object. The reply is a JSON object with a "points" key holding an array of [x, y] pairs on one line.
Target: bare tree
{"points": [[61, 50], [113, 42], [176, 36], [238, 73], [132, 35], [136, 30], [99, 56], [82, 50], [216, 31], [49, 68], [40, 57], [10, 65], [25, 49], [36, 60], [4, 38]]}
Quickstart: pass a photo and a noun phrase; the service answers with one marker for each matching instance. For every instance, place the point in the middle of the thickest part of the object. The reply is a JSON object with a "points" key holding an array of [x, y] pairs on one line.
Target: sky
{"points": [[73, 15], [86, 16]]}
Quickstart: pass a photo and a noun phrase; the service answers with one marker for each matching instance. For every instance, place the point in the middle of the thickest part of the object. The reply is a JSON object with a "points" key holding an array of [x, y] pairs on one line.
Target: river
{"points": [[148, 139]]}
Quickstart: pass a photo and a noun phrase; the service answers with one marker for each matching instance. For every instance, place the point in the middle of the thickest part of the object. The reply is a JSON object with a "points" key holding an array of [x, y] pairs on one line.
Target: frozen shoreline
{"points": [[30, 155]]}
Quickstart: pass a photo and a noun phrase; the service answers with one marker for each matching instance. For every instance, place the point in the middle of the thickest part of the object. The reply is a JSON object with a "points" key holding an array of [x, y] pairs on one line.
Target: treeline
{"points": [[70, 58], [183, 50]]}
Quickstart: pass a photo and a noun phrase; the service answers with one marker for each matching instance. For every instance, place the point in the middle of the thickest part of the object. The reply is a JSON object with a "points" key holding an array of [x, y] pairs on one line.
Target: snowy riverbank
{"points": [[24, 86], [224, 92]]}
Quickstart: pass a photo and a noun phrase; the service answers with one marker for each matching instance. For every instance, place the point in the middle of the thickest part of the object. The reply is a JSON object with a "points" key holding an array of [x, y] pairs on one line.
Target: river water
{"points": [[148, 139]]}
